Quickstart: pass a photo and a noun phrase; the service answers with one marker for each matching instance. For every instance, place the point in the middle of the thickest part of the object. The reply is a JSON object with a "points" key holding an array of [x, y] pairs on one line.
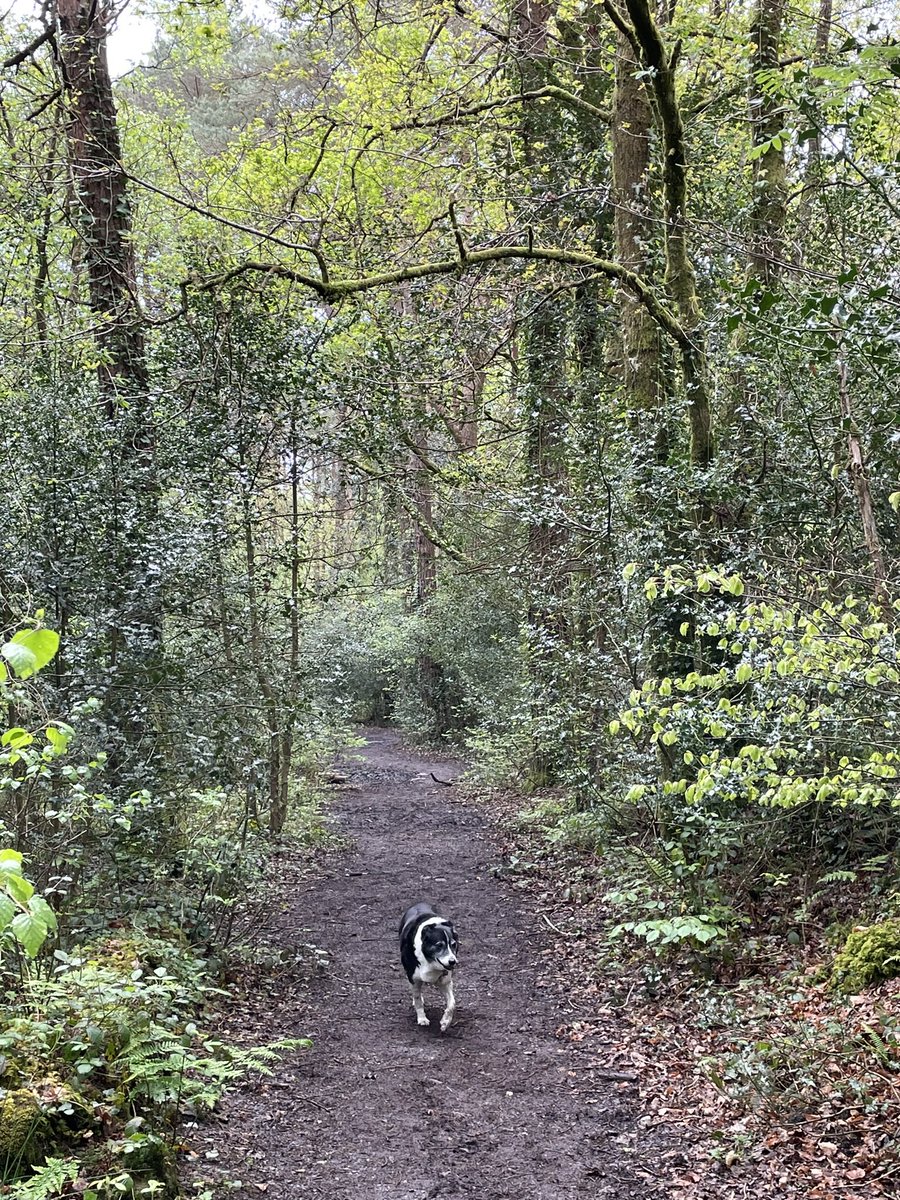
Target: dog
{"points": [[428, 946]]}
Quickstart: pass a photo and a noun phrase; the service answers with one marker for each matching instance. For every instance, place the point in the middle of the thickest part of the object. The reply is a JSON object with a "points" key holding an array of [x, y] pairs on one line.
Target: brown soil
{"points": [[497, 1107]]}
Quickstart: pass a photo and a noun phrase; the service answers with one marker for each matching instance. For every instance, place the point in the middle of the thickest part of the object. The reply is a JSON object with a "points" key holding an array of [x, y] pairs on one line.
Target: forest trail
{"points": [[497, 1107]]}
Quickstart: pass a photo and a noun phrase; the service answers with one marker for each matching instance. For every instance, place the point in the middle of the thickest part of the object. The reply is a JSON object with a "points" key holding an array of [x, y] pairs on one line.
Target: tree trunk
{"points": [[857, 469], [641, 368], [129, 593], [542, 399], [680, 278], [769, 204], [104, 209]]}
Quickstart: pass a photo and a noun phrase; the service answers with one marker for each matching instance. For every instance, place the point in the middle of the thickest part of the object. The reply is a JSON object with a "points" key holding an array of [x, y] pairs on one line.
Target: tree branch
{"points": [[428, 529], [460, 8], [205, 212], [550, 91], [16, 60], [333, 290]]}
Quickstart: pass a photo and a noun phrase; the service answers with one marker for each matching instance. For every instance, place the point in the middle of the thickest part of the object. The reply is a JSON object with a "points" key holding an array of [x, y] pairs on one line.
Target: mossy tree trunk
{"points": [[130, 601], [661, 61], [769, 202], [642, 376], [542, 341]]}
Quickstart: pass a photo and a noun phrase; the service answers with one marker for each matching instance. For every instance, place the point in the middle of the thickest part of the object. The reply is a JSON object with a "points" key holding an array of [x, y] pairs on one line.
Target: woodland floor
{"points": [[498, 1107]]}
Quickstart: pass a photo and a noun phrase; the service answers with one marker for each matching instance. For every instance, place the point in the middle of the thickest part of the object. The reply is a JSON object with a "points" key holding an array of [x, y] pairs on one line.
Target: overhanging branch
{"points": [[550, 92], [336, 289]]}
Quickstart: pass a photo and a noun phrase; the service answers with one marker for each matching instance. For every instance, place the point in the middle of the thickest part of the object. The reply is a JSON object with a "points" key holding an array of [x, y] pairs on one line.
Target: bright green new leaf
{"points": [[18, 887], [10, 861], [57, 739], [22, 660], [16, 738], [39, 644]]}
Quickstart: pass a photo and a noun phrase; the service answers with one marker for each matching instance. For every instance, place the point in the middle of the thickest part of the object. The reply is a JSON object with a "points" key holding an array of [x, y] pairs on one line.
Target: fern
{"points": [[838, 877], [159, 1069], [47, 1181], [661, 869]]}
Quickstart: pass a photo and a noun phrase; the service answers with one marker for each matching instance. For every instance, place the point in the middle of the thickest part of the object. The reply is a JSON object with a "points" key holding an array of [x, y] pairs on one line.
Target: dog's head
{"points": [[439, 945]]}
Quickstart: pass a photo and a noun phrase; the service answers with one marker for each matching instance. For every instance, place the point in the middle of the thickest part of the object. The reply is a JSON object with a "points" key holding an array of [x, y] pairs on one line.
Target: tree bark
{"points": [[860, 479], [104, 209], [542, 397], [680, 277], [769, 203], [130, 590], [641, 371]]}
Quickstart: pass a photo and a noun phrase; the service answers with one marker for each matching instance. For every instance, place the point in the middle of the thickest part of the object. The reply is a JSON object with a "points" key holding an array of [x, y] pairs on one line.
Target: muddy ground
{"points": [[379, 1108]]}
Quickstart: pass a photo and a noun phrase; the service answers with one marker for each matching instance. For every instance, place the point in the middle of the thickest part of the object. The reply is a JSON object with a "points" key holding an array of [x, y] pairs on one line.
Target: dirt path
{"points": [[382, 1109]]}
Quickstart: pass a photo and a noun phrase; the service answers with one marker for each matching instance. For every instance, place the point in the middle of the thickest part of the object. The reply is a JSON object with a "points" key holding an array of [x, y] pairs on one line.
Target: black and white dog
{"points": [[428, 952]]}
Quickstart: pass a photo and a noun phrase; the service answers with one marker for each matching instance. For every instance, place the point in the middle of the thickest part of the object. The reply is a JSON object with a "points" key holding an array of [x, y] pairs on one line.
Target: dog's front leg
{"points": [[449, 1004], [418, 1005]]}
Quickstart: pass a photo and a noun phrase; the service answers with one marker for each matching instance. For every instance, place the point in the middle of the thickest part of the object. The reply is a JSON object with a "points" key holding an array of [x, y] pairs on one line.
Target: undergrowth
{"points": [[117, 917]]}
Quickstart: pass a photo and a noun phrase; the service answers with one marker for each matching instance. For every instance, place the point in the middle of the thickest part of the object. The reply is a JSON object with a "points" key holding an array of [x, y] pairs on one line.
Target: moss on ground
{"points": [[869, 957], [23, 1132]]}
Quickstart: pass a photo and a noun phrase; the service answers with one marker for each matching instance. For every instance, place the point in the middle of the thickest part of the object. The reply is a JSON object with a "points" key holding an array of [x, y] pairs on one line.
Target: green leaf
{"points": [[894, 501], [39, 908], [10, 861], [7, 912], [40, 644], [57, 739], [18, 887], [17, 738], [30, 931], [22, 660]]}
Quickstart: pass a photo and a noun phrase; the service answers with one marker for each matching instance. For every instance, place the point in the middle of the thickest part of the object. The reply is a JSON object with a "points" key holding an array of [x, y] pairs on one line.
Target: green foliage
{"points": [[112, 1037], [29, 650], [769, 721], [695, 930], [96, 1038], [869, 956], [47, 1181], [27, 917]]}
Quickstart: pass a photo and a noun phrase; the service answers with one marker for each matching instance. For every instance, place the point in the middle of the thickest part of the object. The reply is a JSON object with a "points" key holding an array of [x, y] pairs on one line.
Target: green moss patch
{"points": [[23, 1132], [869, 956]]}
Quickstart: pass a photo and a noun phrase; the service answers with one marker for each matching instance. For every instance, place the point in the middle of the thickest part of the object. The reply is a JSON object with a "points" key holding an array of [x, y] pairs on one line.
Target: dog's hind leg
{"points": [[449, 1004], [418, 1005]]}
